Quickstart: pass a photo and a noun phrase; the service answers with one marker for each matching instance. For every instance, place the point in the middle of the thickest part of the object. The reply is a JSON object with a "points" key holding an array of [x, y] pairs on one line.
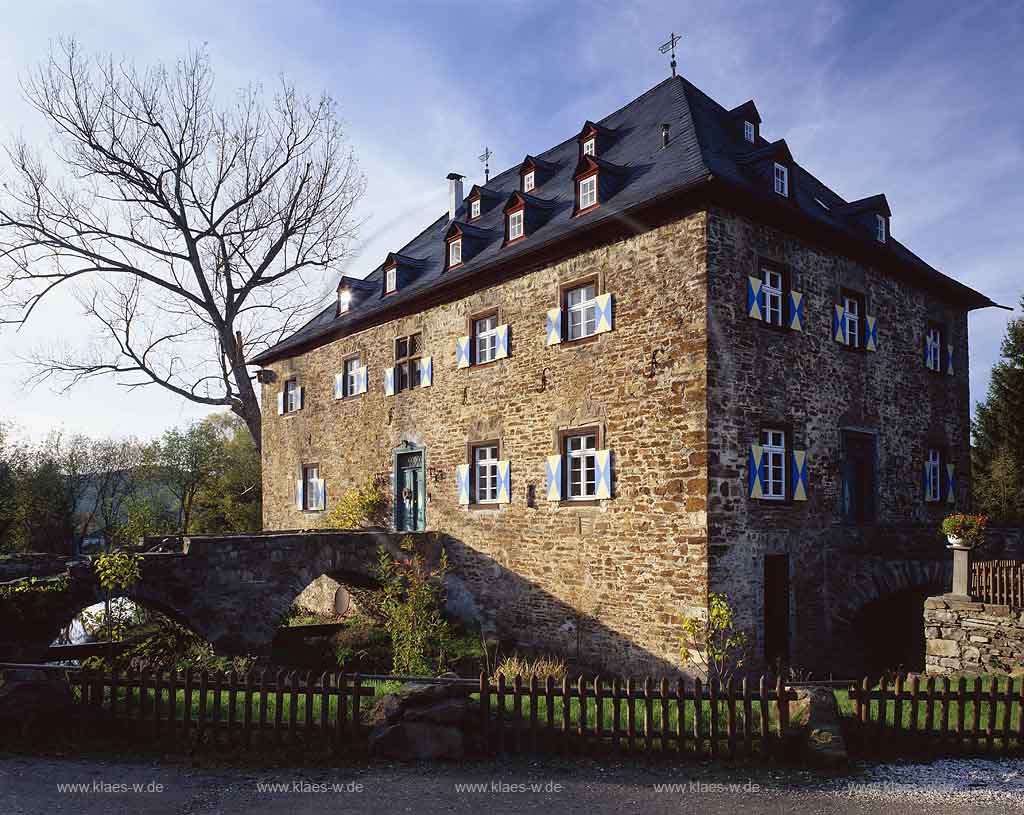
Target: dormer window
{"points": [[344, 300], [782, 179], [455, 253], [474, 208], [390, 280], [590, 147], [528, 181], [748, 132], [881, 228], [515, 225], [588, 192]]}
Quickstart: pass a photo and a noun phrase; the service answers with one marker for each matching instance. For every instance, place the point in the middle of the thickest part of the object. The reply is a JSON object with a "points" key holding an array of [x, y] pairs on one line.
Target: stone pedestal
{"points": [[961, 572]]}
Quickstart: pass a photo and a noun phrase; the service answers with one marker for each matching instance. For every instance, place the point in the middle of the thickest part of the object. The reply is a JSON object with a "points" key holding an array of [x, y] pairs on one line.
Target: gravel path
{"points": [[38, 786]]}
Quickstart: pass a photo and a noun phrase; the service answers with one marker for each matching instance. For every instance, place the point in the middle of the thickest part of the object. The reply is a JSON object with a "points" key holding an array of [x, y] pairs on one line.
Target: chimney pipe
{"points": [[454, 195]]}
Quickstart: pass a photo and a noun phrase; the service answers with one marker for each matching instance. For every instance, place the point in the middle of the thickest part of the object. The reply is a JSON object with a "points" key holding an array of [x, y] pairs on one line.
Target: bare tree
{"points": [[194, 235]]}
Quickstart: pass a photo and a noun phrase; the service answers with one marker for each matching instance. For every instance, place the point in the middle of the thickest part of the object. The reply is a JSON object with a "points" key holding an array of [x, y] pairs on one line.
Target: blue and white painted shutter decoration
{"points": [[504, 482], [302, 396], [319, 495], [501, 351], [755, 479], [280, 403], [389, 381], [799, 479], [927, 482], [927, 347], [462, 352], [839, 324], [462, 479], [553, 471], [755, 298], [950, 483], [339, 386], [426, 371], [554, 326], [362, 379], [870, 333], [949, 360], [604, 313], [603, 465], [796, 311], [299, 487]]}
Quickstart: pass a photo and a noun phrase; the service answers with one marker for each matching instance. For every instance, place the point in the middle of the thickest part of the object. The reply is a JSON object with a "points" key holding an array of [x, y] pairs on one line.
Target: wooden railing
{"points": [[1000, 582], [939, 715]]}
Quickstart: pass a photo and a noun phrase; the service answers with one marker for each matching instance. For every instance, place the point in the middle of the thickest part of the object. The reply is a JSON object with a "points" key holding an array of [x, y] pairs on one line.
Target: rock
{"points": [[416, 741], [421, 722], [447, 711], [942, 648], [815, 728], [35, 703]]}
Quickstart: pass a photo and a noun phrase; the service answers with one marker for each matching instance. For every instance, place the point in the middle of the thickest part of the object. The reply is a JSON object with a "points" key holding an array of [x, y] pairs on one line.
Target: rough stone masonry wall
{"points": [[816, 387], [963, 636], [634, 564]]}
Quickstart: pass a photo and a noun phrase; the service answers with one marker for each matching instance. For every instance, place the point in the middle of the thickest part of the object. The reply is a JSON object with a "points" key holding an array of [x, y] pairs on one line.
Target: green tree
{"points": [[232, 500], [998, 453], [185, 461]]}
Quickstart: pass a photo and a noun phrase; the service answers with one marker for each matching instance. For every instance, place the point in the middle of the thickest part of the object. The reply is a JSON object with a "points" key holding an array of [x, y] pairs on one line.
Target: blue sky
{"points": [[908, 99]]}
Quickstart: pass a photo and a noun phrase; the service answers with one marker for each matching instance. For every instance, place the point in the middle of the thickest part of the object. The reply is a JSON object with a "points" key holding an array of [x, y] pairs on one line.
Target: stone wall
{"points": [[624, 570], [962, 636], [816, 388]]}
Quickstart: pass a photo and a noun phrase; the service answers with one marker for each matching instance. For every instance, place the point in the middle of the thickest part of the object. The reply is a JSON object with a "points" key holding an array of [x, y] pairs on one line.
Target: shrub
{"points": [[541, 667], [357, 507], [968, 528], [715, 643]]}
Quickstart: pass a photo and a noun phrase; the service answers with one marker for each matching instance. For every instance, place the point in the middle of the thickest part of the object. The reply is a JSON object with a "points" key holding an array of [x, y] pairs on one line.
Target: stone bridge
{"points": [[232, 590]]}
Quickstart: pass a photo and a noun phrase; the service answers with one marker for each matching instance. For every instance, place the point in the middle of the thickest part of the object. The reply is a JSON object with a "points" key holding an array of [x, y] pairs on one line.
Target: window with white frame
{"points": [[581, 310], [773, 289], [310, 476], [407, 362], [455, 252], [590, 147], [528, 181], [880, 229], [350, 377], [933, 484], [344, 300], [515, 225], [588, 192], [852, 318], [292, 396], [390, 279], [474, 208], [773, 456], [781, 179], [933, 342], [485, 474], [748, 131], [579, 452], [485, 338]]}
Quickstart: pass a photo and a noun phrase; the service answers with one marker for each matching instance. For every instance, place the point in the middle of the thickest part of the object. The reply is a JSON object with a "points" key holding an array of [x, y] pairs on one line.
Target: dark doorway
{"points": [[776, 609], [858, 478], [890, 631]]}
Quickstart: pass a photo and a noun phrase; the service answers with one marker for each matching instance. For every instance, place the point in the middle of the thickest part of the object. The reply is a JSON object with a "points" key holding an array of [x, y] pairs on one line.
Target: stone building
{"points": [[658, 360]]}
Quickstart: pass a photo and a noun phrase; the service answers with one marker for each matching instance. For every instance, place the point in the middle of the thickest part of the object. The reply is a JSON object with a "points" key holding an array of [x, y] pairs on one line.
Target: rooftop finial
{"points": [[670, 47], [485, 157]]}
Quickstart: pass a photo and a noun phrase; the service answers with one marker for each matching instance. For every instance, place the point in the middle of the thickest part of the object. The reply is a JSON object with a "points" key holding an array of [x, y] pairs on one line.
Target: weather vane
{"points": [[670, 47], [485, 157]]}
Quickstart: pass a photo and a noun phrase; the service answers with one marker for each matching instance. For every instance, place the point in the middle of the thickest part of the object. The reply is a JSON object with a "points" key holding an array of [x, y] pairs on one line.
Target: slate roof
{"points": [[705, 145]]}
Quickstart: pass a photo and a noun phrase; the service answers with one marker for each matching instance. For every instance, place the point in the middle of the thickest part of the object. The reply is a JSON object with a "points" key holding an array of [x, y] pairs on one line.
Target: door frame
{"points": [[404, 449]]}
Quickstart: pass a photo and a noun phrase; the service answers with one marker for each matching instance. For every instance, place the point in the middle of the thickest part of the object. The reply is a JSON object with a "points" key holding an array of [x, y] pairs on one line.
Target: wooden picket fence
{"points": [[938, 715], [1000, 582]]}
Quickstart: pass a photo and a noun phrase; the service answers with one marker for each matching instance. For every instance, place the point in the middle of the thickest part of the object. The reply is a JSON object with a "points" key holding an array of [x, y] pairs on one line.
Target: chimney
{"points": [[454, 195]]}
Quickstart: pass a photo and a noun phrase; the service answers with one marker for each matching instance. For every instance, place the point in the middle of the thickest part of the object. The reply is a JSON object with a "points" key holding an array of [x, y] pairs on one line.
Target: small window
{"points": [[344, 300], [390, 279], [880, 228], [528, 181], [485, 474], [774, 289], [782, 179], [580, 466], [773, 455], [292, 396], [455, 252], [310, 476], [407, 362], [748, 131], [588, 192], [853, 317], [590, 147], [933, 472], [474, 208], [350, 377], [485, 339], [581, 308], [515, 225], [933, 345]]}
